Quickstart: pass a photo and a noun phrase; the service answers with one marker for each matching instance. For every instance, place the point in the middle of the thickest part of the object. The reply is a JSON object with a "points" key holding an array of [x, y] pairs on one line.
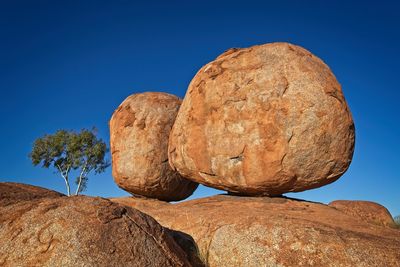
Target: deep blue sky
{"points": [[69, 64]]}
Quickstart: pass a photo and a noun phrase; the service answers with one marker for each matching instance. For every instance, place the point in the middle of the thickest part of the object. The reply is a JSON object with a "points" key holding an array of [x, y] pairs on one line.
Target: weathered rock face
{"points": [[264, 120], [139, 131], [81, 231], [365, 210], [263, 231], [11, 193]]}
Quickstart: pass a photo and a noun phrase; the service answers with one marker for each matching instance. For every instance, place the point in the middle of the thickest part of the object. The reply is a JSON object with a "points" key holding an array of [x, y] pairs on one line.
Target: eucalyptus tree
{"points": [[67, 151]]}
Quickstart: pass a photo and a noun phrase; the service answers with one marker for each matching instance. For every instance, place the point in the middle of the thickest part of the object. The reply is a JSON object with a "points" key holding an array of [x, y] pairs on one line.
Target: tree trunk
{"points": [[65, 176], [68, 187], [79, 186], [80, 179]]}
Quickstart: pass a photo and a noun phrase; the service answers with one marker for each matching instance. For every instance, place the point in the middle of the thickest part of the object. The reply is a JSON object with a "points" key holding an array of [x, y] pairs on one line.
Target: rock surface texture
{"points": [[80, 231], [139, 131], [263, 120], [365, 210], [11, 193], [263, 231]]}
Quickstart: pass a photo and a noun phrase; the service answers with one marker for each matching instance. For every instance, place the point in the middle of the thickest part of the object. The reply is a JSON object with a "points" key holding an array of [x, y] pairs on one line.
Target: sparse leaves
{"points": [[69, 150], [397, 220]]}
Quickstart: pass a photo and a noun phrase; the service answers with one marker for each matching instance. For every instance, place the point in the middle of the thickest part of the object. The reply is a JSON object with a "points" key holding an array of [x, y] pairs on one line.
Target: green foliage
{"points": [[397, 220], [69, 150]]}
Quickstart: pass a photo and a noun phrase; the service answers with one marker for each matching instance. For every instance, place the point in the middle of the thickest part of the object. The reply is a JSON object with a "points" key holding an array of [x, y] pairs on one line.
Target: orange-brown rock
{"points": [[80, 231], [11, 193], [264, 231], [139, 131], [263, 120], [365, 210]]}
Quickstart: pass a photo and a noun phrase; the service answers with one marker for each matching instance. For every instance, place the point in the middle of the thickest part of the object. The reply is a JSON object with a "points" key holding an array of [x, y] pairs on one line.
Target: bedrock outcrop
{"points": [[263, 120], [139, 131], [79, 231], [264, 231], [11, 193], [365, 210]]}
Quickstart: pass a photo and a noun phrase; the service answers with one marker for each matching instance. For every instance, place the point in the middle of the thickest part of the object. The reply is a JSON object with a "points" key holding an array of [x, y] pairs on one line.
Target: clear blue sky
{"points": [[69, 64]]}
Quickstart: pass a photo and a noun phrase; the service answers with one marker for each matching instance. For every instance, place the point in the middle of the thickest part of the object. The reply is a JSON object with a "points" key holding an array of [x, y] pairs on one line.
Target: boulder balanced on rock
{"points": [[139, 131], [263, 120]]}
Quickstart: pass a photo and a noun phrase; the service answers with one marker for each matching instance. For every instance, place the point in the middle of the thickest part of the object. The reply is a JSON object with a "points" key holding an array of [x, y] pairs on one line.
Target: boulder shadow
{"points": [[188, 245]]}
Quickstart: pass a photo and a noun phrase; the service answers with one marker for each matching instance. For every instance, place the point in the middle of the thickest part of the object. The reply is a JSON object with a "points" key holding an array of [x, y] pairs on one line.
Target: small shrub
{"points": [[397, 219]]}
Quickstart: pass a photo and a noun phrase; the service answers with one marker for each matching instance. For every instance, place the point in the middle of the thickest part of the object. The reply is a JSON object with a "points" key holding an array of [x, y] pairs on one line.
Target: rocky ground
{"points": [[39, 227], [265, 231]]}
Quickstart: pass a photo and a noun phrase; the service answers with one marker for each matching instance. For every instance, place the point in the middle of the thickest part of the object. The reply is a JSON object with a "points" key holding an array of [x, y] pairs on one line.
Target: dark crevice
{"points": [[283, 158], [238, 158], [208, 173], [235, 100], [285, 87], [335, 95], [291, 136]]}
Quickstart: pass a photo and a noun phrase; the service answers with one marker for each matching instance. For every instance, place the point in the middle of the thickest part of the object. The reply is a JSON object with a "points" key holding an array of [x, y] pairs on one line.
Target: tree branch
{"points": [[67, 171]]}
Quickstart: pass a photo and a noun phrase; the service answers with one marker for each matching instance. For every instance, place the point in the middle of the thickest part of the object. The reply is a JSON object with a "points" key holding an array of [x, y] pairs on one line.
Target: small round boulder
{"points": [[365, 210], [139, 131], [263, 120]]}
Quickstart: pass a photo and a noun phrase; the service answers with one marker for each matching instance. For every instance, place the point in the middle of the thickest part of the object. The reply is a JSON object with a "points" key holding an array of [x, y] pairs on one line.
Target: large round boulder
{"points": [[139, 131], [80, 231], [263, 120]]}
